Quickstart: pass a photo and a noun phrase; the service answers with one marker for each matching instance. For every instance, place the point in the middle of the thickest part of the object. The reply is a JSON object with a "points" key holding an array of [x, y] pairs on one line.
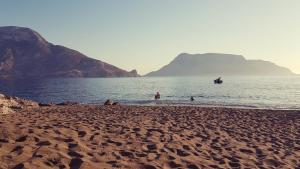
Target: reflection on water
{"points": [[262, 92]]}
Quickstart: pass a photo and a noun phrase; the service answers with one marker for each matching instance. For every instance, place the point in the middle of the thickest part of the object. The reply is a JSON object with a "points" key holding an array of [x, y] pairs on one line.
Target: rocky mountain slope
{"points": [[24, 53]]}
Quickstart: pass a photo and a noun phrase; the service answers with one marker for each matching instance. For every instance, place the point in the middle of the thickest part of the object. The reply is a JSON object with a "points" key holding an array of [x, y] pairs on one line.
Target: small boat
{"points": [[218, 81]]}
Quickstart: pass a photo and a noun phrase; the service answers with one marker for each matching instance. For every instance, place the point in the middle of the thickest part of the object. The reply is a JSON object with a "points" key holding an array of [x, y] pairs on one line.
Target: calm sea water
{"points": [[256, 92]]}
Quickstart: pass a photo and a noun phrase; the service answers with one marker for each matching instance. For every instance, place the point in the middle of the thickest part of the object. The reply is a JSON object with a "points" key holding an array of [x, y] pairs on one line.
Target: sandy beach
{"points": [[148, 137]]}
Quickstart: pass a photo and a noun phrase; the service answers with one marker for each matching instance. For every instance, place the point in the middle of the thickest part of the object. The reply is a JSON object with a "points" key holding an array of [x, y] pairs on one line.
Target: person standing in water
{"points": [[157, 96], [192, 98]]}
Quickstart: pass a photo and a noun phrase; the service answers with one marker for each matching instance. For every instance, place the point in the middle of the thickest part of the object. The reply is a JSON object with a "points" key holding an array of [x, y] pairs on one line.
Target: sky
{"points": [[147, 34]]}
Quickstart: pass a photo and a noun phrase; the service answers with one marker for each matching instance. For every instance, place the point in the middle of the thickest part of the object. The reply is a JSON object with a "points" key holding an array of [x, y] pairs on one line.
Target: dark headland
{"points": [[24, 53]]}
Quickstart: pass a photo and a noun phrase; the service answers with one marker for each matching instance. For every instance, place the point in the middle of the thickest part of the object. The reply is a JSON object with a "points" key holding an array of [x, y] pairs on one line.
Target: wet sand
{"points": [[149, 137]]}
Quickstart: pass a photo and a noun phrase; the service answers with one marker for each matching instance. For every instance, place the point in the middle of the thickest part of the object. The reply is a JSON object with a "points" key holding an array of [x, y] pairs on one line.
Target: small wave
{"points": [[208, 104]]}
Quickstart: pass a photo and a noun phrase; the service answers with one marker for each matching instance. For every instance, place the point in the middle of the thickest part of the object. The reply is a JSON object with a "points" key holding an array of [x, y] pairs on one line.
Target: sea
{"points": [[236, 91]]}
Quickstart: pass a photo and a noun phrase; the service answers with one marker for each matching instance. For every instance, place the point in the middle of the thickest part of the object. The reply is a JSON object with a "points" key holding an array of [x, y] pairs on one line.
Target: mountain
{"points": [[218, 64], [24, 53]]}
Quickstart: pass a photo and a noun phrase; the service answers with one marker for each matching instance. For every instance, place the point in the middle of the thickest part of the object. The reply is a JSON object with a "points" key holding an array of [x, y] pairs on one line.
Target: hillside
{"points": [[218, 64], [24, 53]]}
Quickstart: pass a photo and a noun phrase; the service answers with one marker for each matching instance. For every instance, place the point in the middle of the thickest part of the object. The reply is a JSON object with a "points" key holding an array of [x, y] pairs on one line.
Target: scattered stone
{"points": [[108, 102], [115, 103], [10, 105]]}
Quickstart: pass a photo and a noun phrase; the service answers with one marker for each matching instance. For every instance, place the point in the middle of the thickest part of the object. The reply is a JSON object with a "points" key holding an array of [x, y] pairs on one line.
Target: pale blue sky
{"points": [[147, 34]]}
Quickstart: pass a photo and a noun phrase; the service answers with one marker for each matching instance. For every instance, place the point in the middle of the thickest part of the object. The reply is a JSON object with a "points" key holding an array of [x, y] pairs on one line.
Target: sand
{"points": [[89, 136]]}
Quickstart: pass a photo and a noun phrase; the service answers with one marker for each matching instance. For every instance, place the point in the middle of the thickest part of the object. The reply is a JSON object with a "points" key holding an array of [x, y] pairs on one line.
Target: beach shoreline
{"points": [[245, 107], [138, 136]]}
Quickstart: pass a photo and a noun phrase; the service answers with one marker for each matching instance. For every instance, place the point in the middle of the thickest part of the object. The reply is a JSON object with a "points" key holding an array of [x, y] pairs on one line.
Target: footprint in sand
{"points": [[68, 140], [136, 129], [186, 147], [192, 166], [172, 164], [273, 163], [141, 155], [234, 162], [54, 161], [30, 131], [81, 133], [260, 154], [116, 155], [114, 164], [246, 151], [151, 147], [43, 143], [19, 166], [74, 154], [182, 153], [18, 150], [102, 154], [92, 138], [114, 142], [21, 139], [72, 145], [234, 165], [171, 157], [3, 140], [126, 154], [75, 163], [148, 167]]}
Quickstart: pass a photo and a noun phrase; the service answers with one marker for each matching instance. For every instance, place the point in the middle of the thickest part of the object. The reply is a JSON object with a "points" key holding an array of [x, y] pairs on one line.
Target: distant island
{"points": [[218, 64], [24, 53]]}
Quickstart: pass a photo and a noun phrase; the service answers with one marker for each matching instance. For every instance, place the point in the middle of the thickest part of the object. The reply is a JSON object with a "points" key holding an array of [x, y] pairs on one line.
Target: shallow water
{"points": [[256, 92]]}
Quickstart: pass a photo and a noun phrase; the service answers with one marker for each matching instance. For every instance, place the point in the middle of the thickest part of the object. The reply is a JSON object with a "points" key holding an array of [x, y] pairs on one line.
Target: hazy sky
{"points": [[147, 34]]}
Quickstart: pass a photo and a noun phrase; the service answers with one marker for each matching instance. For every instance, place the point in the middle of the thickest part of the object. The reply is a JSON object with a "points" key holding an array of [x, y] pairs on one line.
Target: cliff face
{"points": [[218, 64], [26, 54]]}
